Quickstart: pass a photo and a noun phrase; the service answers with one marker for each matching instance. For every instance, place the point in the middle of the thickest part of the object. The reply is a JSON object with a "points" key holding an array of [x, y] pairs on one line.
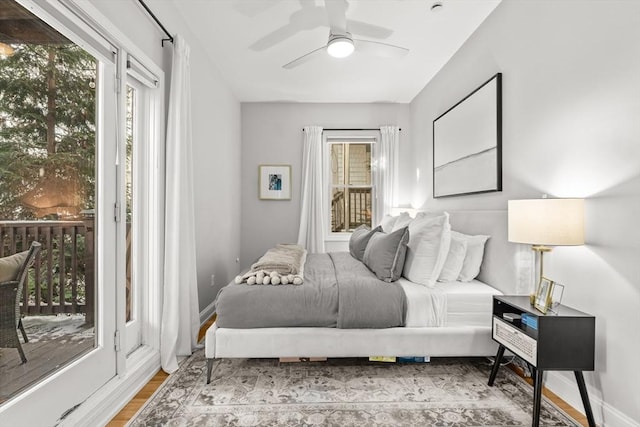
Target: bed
{"points": [[464, 331]]}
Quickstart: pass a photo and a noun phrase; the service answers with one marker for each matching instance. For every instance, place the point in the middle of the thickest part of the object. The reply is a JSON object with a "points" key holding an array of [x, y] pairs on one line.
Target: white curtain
{"points": [[386, 171], [312, 215], [180, 317]]}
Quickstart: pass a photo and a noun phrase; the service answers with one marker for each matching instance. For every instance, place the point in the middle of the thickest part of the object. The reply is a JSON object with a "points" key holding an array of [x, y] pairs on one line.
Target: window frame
{"points": [[330, 137]]}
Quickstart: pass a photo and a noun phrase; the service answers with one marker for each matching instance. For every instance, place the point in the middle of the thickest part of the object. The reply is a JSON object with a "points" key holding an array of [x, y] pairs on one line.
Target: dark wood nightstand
{"points": [[560, 341]]}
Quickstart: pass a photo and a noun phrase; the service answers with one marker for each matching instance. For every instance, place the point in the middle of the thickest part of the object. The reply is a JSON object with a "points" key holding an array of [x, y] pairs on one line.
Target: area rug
{"points": [[343, 392]]}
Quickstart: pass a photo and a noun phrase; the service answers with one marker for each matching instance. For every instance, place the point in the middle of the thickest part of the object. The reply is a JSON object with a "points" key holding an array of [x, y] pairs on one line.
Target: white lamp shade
{"points": [[553, 222]]}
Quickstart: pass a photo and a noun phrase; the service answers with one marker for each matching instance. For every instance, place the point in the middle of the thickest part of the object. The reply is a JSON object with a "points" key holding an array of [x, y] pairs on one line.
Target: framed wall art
{"points": [[467, 143], [274, 182]]}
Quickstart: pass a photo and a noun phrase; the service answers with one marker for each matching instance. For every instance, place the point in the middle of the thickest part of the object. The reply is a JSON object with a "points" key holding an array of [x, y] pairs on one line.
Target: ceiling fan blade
{"points": [[379, 49], [305, 58], [337, 13], [368, 30], [275, 37]]}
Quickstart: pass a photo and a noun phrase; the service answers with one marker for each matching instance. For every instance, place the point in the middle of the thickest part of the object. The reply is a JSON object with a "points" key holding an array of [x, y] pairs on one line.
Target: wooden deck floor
{"points": [[54, 341]]}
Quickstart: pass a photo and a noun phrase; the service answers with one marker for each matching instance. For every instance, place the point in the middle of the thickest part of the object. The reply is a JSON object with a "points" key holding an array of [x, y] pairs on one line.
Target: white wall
{"points": [[571, 127], [216, 139], [272, 134]]}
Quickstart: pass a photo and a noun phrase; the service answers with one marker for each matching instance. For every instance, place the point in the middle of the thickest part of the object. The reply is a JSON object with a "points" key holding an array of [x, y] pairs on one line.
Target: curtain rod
{"points": [[400, 129], [170, 37]]}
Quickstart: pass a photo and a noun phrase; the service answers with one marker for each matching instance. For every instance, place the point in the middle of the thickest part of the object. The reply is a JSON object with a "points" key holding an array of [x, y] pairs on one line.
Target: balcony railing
{"points": [[349, 213], [62, 277]]}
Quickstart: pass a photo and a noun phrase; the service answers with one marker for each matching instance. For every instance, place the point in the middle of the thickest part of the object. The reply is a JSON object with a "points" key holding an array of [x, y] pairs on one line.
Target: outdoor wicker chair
{"points": [[10, 292]]}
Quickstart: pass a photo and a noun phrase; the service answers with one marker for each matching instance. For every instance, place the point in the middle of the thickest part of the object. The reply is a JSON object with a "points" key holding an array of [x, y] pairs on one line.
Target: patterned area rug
{"points": [[343, 392]]}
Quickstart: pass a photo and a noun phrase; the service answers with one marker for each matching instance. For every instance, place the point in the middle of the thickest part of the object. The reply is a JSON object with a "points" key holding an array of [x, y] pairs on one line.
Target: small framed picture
{"points": [[556, 296], [274, 182], [543, 295]]}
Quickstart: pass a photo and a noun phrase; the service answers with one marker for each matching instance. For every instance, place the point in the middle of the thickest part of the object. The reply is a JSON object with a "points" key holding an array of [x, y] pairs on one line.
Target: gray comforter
{"points": [[338, 291]]}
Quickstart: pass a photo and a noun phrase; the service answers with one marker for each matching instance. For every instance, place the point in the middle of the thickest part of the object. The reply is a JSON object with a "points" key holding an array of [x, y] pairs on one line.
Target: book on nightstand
{"points": [[529, 320]]}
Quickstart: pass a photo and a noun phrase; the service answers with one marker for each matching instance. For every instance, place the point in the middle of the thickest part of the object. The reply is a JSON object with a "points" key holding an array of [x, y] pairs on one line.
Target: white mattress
{"points": [[448, 304]]}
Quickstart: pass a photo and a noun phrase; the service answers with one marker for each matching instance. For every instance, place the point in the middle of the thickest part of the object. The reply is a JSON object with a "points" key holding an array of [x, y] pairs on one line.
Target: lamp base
{"points": [[542, 249]]}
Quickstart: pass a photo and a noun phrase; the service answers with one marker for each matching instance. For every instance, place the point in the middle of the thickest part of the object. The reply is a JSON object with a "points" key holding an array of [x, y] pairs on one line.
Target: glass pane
{"points": [[359, 207], [338, 209], [131, 98], [359, 164], [337, 164], [47, 194]]}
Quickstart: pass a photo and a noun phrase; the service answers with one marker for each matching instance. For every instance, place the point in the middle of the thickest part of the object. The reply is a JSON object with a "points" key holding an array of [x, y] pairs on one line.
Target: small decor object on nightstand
{"points": [[556, 296], [274, 182], [543, 295]]}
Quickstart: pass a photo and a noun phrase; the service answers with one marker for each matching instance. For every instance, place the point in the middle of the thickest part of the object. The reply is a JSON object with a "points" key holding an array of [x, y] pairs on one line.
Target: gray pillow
{"points": [[385, 254], [359, 239]]}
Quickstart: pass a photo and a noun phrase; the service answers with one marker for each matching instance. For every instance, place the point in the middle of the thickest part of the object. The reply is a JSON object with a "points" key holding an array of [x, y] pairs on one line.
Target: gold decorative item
{"points": [[543, 295]]}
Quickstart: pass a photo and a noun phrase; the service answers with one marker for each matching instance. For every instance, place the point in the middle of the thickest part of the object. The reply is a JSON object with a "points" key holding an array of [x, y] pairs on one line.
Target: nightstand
{"points": [[560, 341]]}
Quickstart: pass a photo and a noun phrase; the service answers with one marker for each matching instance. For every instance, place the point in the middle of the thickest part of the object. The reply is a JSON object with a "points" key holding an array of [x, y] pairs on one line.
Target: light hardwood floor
{"points": [[147, 391], [136, 403]]}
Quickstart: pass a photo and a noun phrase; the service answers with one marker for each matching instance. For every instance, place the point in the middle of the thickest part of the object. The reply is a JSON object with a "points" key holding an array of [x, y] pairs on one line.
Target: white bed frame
{"points": [[506, 267]]}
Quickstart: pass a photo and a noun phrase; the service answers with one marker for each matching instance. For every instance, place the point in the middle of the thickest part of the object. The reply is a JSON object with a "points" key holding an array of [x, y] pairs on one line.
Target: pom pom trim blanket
{"points": [[280, 265]]}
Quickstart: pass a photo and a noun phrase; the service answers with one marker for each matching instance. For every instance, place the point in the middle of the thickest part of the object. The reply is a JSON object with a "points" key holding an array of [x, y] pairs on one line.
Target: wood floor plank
{"points": [[44, 357]]}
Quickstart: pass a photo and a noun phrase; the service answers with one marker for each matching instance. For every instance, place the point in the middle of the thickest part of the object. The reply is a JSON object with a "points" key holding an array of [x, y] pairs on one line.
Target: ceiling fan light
{"points": [[340, 47]]}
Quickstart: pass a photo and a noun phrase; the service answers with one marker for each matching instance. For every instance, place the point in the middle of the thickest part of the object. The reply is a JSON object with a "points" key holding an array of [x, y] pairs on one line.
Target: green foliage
{"points": [[47, 123]]}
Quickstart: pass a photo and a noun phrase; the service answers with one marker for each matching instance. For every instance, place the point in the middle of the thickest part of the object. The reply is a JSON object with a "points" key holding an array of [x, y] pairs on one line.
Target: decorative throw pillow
{"points": [[427, 248], [473, 258], [387, 223], [385, 254], [402, 221], [359, 239], [10, 265], [455, 259]]}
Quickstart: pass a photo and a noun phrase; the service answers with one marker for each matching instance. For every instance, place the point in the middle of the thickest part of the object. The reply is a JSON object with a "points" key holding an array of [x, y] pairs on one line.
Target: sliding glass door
{"points": [[58, 155]]}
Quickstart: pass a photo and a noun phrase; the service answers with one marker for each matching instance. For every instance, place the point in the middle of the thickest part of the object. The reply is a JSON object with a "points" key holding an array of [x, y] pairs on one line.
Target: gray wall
{"points": [[571, 123], [216, 140], [272, 134]]}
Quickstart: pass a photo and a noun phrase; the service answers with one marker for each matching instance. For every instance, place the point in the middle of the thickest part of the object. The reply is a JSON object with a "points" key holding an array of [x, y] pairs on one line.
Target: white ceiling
{"points": [[229, 28]]}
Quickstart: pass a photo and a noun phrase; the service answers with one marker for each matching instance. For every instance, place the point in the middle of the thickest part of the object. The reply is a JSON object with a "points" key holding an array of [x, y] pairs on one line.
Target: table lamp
{"points": [[546, 222]]}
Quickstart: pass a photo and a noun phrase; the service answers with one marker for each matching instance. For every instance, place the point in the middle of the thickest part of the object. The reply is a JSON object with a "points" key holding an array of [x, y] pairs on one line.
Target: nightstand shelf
{"points": [[560, 341]]}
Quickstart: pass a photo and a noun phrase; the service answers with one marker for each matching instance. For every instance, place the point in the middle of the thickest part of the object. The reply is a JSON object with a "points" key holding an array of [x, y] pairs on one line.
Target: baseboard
{"points": [[103, 405], [207, 312], [567, 390]]}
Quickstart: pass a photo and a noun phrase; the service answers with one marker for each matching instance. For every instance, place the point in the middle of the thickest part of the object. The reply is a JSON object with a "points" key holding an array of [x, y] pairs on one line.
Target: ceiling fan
{"points": [[341, 43]]}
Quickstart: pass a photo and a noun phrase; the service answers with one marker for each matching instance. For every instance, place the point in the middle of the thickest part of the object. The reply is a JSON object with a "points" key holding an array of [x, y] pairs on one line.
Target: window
{"points": [[349, 178]]}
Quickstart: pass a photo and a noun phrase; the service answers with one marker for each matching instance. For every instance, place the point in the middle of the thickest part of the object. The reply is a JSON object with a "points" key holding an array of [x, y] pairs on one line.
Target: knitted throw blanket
{"points": [[280, 265]]}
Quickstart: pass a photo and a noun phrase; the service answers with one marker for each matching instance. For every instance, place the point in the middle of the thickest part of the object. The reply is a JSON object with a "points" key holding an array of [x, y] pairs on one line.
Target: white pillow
{"points": [[402, 221], [473, 258], [455, 259], [429, 239], [387, 223]]}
